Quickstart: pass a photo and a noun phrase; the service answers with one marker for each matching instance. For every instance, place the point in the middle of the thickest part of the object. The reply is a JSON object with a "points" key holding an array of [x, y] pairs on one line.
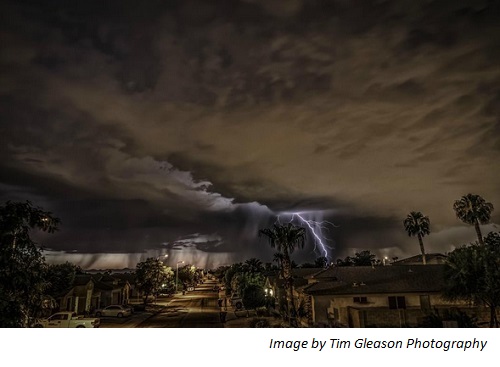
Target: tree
{"points": [[278, 258], [187, 275], [229, 274], [474, 210], [151, 275], [60, 279], [244, 279], [253, 296], [254, 265], [286, 238], [345, 262], [220, 272], [362, 258], [473, 274], [321, 262], [416, 224], [22, 265]]}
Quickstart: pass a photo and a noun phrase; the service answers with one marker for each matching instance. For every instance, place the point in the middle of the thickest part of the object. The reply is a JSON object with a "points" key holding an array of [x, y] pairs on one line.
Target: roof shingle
{"points": [[378, 279]]}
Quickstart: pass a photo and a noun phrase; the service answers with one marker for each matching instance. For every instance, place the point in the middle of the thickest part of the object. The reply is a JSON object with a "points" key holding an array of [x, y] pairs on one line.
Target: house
{"points": [[131, 279], [380, 296], [274, 286], [274, 283], [434, 258], [81, 297], [113, 290], [94, 291]]}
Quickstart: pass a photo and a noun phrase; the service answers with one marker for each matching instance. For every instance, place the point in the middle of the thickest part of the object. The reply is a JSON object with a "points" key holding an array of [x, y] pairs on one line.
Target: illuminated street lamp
{"points": [[164, 257], [177, 274]]}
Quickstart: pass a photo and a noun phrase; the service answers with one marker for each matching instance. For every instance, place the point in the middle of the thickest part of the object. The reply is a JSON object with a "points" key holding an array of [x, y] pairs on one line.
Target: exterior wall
{"points": [[342, 310], [383, 317], [116, 297], [338, 309], [79, 299], [412, 300], [86, 298], [320, 305], [105, 299], [126, 294]]}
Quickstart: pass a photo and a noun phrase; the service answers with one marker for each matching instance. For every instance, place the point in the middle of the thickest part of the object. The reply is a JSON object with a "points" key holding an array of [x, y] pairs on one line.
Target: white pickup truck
{"points": [[68, 320]]}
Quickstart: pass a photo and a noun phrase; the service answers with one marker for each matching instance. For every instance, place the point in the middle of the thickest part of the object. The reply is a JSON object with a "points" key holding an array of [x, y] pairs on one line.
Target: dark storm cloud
{"points": [[190, 124]]}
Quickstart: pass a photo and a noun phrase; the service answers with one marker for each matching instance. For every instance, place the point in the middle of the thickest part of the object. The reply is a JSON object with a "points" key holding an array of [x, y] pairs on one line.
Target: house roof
{"points": [[105, 278], [104, 286], [129, 277], [82, 279], [78, 287], [305, 272], [299, 276], [435, 258], [378, 279]]}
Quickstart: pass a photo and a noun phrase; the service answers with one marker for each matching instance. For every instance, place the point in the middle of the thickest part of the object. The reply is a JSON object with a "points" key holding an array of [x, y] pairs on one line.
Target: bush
{"points": [[139, 307], [435, 320], [260, 323], [262, 311]]}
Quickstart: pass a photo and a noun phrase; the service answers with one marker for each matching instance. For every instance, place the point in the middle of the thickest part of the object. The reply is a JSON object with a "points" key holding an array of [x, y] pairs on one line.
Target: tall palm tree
{"points": [[278, 258], [286, 238], [473, 209], [416, 224]]}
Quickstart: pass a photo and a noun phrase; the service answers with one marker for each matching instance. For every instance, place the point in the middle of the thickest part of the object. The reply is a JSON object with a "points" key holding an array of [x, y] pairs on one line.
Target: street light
{"points": [[162, 258], [177, 274]]}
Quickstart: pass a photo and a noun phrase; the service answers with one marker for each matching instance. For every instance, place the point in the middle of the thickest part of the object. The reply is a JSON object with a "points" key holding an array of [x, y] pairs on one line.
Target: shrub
{"points": [[260, 323]]}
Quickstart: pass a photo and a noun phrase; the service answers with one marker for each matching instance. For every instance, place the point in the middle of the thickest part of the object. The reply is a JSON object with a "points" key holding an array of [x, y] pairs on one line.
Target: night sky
{"points": [[183, 127]]}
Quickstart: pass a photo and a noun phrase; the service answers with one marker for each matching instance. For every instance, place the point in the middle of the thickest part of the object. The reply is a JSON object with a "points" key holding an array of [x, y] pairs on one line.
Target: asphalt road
{"points": [[196, 309]]}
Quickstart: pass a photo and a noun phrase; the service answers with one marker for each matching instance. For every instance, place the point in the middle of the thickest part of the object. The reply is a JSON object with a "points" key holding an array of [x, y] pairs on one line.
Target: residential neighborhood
{"points": [[318, 176], [457, 289], [401, 294]]}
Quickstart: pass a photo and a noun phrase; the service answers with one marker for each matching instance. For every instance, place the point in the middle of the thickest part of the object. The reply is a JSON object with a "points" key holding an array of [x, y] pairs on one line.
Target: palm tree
{"points": [[473, 209], [416, 224], [286, 238], [254, 265], [278, 258]]}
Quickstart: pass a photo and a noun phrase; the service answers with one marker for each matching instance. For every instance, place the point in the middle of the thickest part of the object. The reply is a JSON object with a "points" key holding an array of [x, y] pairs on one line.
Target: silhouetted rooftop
{"points": [[378, 279]]}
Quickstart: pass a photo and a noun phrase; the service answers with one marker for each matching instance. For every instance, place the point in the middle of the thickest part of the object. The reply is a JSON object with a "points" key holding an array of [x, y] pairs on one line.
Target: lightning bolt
{"points": [[316, 228]]}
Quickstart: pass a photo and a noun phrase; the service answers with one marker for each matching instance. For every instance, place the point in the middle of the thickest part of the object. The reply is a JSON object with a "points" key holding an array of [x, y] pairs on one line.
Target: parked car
{"points": [[236, 301], [68, 320], [113, 311], [130, 307]]}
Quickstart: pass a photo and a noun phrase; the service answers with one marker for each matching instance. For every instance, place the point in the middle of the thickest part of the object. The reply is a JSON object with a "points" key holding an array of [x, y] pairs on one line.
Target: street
{"points": [[195, 309]]}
